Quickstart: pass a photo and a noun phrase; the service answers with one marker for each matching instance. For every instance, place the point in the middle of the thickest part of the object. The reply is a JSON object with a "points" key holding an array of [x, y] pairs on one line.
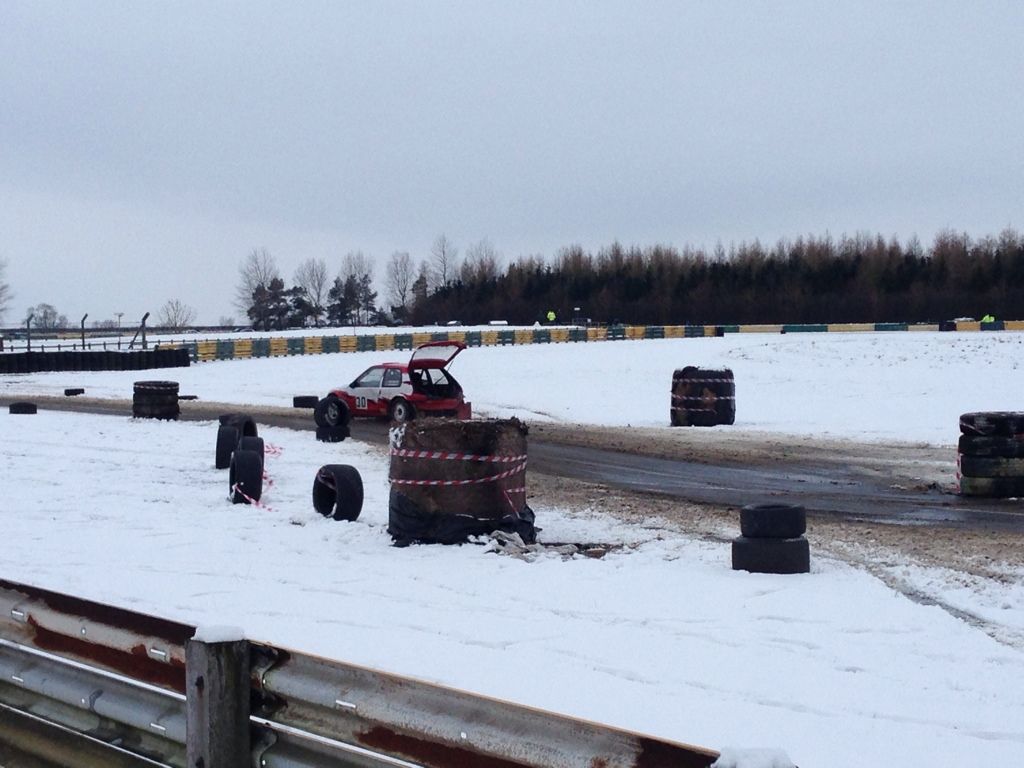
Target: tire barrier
{"points": [[233, 429], [74, 391], [702, 397], [106, 360], [155, 400], [772, 540], [254, 444], [332, 434], [245, 477], [454, 479], [338, 492], [305, 401], [990, 455], [22, 408], [331, 412]]}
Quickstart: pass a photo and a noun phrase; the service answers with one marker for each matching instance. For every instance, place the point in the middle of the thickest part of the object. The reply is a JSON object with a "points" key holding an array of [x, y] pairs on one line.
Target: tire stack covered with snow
{"points": [[155, 400], [990, 455], [702, 397], [772, 540], [240, 450], [452, 479]]}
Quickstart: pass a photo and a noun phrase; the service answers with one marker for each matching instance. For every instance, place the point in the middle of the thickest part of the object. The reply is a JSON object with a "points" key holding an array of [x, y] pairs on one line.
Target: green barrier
{"points": [[577, 334], [801, 328], [225, 350], [296, 345], [654, 332], [330, 344], [403, 341], [729, 328], [616, 332], [439, 336], [193, 351], [473, 338], [366, 343], [693, 331], [542, 336], [890, 326], [506, 337], [261, 347]]}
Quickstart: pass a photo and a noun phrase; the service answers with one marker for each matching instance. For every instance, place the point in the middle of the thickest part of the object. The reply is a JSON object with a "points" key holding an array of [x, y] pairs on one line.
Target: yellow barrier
{"points": [[314, 345], [524, 336], [489, 338], [278, 347], [420, 338], [850, 327], [597, 334], [558, 335], [675, 331], [206, 350], [968, 325], [243, 349], [385, 342], [924, 327], [760, 329], [1013, 325], [459, 336], [635, 332], [347, 344]]}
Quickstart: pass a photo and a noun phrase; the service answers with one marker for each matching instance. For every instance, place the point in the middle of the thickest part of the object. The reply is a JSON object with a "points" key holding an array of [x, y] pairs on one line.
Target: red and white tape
{"points": [[449, 456], [473, 481]]}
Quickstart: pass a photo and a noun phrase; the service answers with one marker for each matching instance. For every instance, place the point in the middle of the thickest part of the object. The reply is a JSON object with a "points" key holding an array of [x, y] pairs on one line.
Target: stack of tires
{"points": [[155, 400], [240, 450], [772, 540], [332, 416], [990, 455], [702, 397]]}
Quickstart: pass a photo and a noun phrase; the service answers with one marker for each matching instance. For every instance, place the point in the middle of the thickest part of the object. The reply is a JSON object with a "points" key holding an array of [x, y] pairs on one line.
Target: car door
{"points": [[365, 392]]}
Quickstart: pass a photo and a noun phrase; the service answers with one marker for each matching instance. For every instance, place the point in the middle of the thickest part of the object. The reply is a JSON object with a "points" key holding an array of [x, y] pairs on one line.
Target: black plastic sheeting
{"points": [[409, 524]]}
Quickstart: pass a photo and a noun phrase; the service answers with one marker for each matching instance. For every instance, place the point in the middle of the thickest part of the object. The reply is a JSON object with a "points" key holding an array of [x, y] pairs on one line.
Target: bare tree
{"points": [[357, 269], [444, 262], [175, 315], [311, 277], [481, 262], [399, 279], [46, 317], [225, 320], [5, 290], [259, 268], [356, 264]]}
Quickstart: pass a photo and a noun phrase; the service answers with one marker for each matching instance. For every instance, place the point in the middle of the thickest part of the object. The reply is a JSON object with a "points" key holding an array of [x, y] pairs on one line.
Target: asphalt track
{"points": [[821, 488]]}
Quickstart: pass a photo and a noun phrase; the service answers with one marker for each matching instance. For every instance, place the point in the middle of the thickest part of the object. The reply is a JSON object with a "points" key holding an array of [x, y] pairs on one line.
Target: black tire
{"points": [[401, 410], [22, 408], [188, 397], [305, 401], [245, 477], [980, 445], [992, 487], [227, 441], [338, 492], [977, 466], [771, 555], [243, 422], [996, 423], [156, 386], [254, 444], [674, 418], [773, 521], [331, 434], [73, 391], [331, 412]]}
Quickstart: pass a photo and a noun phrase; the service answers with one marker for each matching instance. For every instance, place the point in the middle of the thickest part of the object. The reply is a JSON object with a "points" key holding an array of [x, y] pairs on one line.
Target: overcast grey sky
{"points": [[146, 148]]}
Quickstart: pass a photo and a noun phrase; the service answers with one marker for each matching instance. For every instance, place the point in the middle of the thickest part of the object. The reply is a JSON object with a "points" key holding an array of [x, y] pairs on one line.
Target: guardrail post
{"points": [[217, 701]]}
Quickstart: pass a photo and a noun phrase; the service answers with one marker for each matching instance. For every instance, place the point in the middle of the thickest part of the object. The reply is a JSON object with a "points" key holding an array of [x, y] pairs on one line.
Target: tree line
{"points": [[862, 278]]}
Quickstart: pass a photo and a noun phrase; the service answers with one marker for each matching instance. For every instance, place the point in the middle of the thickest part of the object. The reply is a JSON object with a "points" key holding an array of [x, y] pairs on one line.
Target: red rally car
{"points": [[403, 391]]}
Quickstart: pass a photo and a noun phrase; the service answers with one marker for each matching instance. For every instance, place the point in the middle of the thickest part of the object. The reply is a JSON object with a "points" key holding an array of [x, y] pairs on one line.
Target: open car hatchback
{"points": [[402, 391]]}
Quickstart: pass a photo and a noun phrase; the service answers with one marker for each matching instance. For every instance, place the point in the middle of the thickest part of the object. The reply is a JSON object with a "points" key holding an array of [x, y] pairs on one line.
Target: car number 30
{"points": [[361, 403]]}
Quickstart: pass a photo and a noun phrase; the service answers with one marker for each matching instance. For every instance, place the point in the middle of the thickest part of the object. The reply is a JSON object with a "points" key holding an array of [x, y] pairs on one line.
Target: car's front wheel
{"points": [[401, 410], [331, 412]]}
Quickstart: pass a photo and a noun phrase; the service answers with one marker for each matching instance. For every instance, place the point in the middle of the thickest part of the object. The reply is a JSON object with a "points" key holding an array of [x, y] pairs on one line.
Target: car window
{"points": [[370, 379], [438, 377], [392, 377]]}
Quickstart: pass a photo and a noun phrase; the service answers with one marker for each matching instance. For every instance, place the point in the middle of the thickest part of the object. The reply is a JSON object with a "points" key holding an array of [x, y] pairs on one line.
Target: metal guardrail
{"points": [[84, 684]]}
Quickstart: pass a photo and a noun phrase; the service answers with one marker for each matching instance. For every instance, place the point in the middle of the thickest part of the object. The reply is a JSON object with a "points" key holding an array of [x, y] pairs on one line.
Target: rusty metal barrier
{"points": [[83, 684]]}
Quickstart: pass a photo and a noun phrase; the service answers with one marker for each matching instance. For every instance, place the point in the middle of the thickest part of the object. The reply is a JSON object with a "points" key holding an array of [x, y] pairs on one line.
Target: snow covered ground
{"points": [[661, 637]]}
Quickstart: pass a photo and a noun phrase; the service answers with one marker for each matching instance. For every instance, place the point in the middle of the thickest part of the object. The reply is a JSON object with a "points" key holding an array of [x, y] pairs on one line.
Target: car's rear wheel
{"points": [[401, 410]]}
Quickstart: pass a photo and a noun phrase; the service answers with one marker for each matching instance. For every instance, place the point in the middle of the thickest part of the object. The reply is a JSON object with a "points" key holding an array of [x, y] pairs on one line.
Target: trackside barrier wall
{"points": [[238, 349], [86, 685]]}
